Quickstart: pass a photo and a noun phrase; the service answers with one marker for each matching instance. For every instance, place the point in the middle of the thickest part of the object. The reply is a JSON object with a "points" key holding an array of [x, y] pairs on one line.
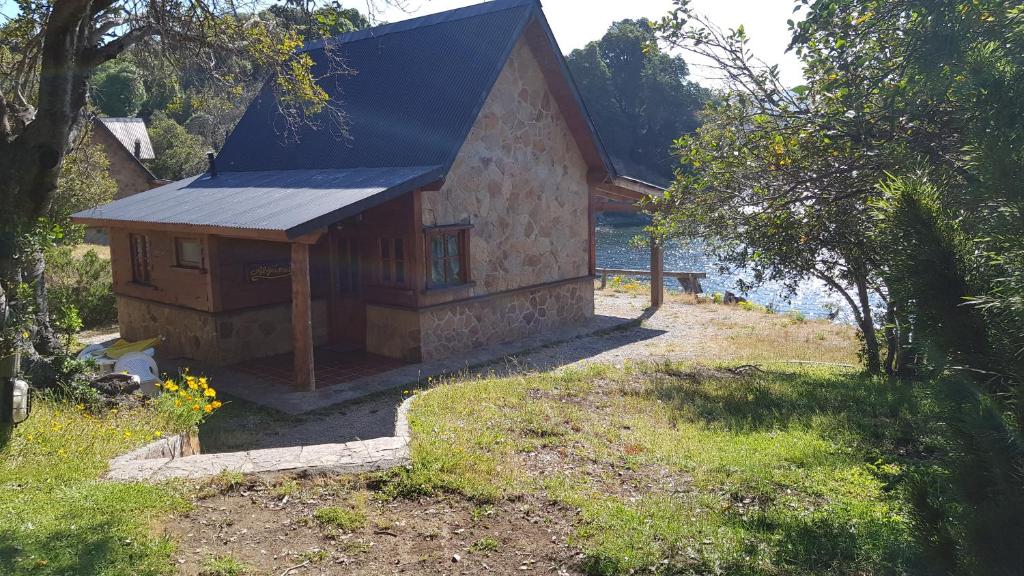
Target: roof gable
{"points": [[415, 93], [130, 132]]}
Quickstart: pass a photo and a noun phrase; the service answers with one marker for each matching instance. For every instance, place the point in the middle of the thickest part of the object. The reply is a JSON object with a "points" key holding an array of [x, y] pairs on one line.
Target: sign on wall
{"points": [[272, 270]]}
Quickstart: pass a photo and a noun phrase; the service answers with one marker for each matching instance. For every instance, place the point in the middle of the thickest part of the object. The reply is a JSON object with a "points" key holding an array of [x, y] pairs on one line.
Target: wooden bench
{"points": [[688, 281]]}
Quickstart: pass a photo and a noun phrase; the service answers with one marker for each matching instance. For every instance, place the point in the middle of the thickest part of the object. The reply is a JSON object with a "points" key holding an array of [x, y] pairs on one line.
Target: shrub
{"points": [[84, 282]]}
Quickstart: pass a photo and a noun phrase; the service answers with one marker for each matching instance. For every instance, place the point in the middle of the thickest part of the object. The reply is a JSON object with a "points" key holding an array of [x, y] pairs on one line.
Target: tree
{"points": [[84, 182], [118, 89], [179, 154], [773, 182], [638, 96], [906, 139], [50, 52]]}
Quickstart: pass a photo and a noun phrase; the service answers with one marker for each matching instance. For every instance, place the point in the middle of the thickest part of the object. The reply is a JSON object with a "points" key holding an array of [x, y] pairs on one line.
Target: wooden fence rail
{"points": [[688, 281]]}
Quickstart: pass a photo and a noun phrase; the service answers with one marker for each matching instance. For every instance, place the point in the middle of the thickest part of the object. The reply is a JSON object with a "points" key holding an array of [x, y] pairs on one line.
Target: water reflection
{"points": [[614, 251]]}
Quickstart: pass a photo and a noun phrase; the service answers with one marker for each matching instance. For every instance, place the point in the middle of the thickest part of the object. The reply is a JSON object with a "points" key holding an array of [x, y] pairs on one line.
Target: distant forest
{"points": [[639, 98]]}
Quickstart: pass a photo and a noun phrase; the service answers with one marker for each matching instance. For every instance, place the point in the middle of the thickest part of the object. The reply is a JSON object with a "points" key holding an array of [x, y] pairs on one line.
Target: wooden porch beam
{"points": [[302, 319], [657, 273]]}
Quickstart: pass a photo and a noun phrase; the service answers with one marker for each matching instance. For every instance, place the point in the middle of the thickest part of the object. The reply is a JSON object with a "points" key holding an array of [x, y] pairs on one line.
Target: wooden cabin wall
{"points": [[236, 286], [169, 284]]}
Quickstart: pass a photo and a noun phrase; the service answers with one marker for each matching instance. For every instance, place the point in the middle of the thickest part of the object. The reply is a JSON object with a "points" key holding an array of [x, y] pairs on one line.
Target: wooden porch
{"points": [[629, 195]]}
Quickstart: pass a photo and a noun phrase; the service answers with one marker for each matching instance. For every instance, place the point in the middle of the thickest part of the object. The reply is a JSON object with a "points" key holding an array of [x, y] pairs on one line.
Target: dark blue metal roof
{"points": [[291, 201], [415, 90]]}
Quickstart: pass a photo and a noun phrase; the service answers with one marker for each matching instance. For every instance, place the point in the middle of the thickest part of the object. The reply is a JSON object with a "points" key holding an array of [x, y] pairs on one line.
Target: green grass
{"points": [[344, 519], [223, 566], [790, 471], [485, 544], [57, 518]]}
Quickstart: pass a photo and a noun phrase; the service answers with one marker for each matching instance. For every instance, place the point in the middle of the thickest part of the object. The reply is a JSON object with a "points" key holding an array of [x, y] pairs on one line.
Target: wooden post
{"points": [[592, 235], [657, 273], [302, 319]]}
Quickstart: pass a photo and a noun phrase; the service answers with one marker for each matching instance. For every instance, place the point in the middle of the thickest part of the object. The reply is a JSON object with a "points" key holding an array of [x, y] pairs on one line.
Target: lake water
{"points": [[614, 251]]}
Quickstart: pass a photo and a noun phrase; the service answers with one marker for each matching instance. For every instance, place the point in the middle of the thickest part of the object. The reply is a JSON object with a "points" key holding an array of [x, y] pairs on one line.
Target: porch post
{"points": [[302, 319], [592, 235], [657, 273]]}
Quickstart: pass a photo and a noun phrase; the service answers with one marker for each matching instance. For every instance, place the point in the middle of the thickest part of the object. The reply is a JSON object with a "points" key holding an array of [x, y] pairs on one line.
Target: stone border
{"points": [[357, 456]]}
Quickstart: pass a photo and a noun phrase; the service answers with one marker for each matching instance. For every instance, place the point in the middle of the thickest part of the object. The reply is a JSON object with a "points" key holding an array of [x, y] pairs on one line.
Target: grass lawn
{"points": [[56, 517], [668, 468], [673, 469]]}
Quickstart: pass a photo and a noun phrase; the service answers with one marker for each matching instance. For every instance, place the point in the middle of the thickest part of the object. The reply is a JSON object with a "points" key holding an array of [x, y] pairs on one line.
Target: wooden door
{"points": [[347, 310]]}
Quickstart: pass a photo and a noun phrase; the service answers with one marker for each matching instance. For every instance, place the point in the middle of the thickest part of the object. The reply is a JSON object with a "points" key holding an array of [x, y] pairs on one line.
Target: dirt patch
{"points": [[268, 524]]}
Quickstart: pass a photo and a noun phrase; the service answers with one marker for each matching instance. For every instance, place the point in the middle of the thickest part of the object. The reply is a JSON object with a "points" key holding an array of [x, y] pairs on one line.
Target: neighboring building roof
{"points": [[291, 201], [415, 89], [129, 132]]}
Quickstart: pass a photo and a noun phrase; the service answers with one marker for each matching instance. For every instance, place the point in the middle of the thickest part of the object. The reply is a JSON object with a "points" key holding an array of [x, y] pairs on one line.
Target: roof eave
{"points": [[437, 174]]}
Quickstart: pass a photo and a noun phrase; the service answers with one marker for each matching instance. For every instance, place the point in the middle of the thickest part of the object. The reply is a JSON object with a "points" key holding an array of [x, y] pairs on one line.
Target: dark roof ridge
{"points": [[421, 22]]}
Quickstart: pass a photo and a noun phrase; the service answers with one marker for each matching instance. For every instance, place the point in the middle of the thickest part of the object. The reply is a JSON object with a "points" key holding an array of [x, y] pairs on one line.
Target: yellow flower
{"points": [[192, 384], [210, 392], [177, 403], [195, 407], [170, 386], [183, 394], [203, 383], [216, 404], [208, 408], [158, 434]]}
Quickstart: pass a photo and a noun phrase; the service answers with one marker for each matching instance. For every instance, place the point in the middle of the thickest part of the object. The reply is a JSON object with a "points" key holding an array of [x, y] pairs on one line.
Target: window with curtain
{"points": [[447, 250]]}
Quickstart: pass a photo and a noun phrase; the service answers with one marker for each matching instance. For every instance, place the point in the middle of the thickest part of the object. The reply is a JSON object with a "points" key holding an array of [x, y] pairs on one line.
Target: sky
{"points": [[576, 22]]}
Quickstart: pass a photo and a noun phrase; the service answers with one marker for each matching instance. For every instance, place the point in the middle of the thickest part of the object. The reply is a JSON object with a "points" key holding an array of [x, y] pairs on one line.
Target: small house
{"points": [[126, 143], [456, 212]]}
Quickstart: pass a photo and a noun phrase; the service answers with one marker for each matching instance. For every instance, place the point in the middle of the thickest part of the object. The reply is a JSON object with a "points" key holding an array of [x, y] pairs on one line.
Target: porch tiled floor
{"points": [[331, 367]]}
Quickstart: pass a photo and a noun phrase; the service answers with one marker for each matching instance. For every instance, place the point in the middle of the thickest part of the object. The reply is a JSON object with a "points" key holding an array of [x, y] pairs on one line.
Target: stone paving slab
{"points": [[252, 389], [349, 457]]}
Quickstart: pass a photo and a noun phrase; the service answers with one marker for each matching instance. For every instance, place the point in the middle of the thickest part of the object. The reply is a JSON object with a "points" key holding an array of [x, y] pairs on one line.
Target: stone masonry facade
{"points": [[521, 181], [218, 339], [443, 331], [464, 326]]}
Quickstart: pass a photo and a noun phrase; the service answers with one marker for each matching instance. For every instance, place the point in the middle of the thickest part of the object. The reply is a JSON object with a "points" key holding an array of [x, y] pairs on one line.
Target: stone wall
{"points": [[445, 330], [521, 180], [462, 326], [131, 177], [219, 339]]}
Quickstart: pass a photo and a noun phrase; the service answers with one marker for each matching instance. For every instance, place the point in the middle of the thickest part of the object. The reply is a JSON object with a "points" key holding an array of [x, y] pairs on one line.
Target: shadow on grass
{"points": [[97, 548], [878, 410]]}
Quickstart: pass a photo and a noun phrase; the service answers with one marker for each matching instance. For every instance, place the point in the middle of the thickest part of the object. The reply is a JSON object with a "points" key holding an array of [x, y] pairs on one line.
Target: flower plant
{"points": [[186, 401]]}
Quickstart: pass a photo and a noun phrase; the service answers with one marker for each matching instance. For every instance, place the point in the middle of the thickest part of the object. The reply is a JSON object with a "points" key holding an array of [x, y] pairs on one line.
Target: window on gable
{"points": [[188, 253], [141, 264], [447, 252], [392, 262]]}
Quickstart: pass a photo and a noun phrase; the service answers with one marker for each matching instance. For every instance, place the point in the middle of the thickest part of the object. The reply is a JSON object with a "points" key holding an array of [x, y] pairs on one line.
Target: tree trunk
{"points": [[43, 337], [872, 353], [30, 162], [861, 308]]}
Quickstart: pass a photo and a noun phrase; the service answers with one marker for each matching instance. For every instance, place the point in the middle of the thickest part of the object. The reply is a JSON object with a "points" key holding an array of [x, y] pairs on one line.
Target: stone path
{"points": [[350, 457]]}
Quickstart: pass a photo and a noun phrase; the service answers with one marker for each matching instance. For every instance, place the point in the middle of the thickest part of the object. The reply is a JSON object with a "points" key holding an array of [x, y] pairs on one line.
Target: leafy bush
{"points": [[84, 282]]}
